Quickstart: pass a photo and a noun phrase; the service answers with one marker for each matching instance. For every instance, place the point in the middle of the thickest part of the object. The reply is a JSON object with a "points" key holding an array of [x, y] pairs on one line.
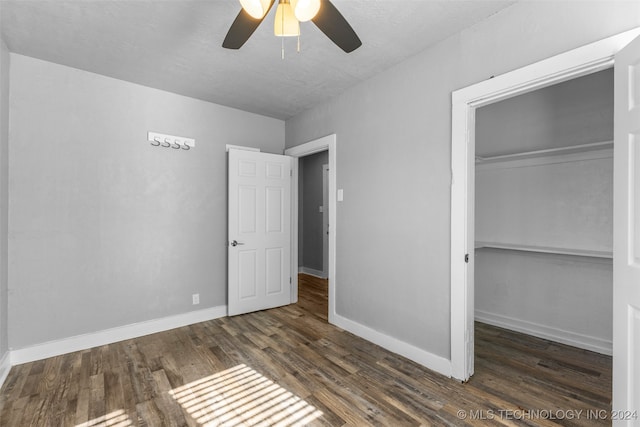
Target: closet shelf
{"points": [[573, 149], [544, 249]]}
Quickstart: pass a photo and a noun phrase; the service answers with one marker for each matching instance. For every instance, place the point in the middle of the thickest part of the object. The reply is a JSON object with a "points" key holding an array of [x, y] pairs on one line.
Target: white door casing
{"points": [[569, 65], [325, 220], [626, 236], [259, 231], [328, 143]]}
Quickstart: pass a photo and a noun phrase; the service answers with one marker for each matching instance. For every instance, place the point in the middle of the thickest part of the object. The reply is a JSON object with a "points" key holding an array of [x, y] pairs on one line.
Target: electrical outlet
{"points": [[196, 299]]}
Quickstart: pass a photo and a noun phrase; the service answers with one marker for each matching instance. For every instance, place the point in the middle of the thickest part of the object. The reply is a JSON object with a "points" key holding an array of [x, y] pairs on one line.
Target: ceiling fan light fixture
{"points": [[305, 10], [285, 24], [256, 8], [323, 13]]}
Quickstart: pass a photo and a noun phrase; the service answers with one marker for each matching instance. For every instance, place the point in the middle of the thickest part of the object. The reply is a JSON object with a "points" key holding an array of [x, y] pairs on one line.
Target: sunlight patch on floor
{"points": [[114, 419], [241, 396]]}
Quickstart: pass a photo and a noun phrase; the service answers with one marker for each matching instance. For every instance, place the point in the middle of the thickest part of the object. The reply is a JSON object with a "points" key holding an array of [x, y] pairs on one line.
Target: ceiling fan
{"points": [[289, 14]]}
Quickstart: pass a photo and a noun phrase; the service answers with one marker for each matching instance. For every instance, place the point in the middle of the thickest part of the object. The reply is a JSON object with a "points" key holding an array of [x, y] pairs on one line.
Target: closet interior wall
{"points": [[544, 212]]}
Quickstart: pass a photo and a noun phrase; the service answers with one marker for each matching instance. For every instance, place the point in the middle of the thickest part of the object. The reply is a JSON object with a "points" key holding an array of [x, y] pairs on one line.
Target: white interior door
{"points": [[626, 233], [259, 231]]}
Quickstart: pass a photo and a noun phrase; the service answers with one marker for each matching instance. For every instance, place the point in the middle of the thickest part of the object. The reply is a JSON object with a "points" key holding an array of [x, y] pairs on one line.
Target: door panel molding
{"points": [[258, 231]]}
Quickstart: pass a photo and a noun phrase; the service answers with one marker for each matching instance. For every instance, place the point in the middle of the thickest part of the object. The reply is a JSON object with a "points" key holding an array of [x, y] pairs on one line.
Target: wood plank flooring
{"points": [[313, 295], [288, 366]]}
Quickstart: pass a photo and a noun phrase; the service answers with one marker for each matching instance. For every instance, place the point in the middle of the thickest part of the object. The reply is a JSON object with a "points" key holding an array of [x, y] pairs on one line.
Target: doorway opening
{"points": [[327, 266], [579, 62], [543, 214], [312, 204], [313, 229], [543, 221]]}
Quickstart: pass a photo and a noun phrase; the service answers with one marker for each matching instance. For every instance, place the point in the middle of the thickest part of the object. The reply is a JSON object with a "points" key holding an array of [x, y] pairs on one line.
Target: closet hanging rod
{"points": [[544, 249], [549, 151]]}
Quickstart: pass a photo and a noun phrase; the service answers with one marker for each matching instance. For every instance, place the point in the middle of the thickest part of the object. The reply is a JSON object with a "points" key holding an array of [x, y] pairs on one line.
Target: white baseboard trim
{"points": [[312, 272], [5, 367], [586, 342], [108, 336], [418, 355]]}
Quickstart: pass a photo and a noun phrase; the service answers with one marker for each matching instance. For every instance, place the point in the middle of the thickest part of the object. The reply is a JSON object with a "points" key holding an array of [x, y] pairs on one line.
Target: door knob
{"points": [[236, 243]]}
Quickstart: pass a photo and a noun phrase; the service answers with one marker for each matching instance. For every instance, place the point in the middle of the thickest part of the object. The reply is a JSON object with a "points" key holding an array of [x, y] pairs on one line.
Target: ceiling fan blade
{"points": [[331, 22], [242, 28]]}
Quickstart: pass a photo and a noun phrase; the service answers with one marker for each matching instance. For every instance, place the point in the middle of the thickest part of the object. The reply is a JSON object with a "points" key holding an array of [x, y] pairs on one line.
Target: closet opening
{"points": [[620, 52], [543, 261]]}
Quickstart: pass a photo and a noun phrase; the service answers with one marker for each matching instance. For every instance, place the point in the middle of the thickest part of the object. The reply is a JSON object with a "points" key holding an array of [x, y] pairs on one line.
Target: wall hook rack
{"points": [[175, 142]]}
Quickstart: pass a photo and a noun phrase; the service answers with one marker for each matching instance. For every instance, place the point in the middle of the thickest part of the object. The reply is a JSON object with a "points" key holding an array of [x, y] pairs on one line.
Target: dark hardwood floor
{"points": [[288, 366], [313, 296]]}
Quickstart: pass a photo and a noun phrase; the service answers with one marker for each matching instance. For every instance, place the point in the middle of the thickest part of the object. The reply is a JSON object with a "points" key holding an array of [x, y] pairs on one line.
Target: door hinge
{"points": [[290, 172], [466, 258], [289, 280]]}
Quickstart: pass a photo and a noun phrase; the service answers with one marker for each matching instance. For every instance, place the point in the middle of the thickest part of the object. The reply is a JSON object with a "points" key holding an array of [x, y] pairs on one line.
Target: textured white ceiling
{"points": [[175, 45]]}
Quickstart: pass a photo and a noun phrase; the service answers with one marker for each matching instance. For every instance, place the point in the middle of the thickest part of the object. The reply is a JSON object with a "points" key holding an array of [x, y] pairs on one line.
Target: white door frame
{"points": [[325, 220], [327, 143], [569, 65]]}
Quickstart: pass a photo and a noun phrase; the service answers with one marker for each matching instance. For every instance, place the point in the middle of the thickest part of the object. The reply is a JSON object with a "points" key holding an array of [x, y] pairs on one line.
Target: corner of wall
{"points": [[4, 202], [5, 367], [425, 358], [112, 335]]}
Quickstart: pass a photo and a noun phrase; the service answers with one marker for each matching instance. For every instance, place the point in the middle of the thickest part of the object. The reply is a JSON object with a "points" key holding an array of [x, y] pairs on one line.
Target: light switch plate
{"points": [[340, 194]]}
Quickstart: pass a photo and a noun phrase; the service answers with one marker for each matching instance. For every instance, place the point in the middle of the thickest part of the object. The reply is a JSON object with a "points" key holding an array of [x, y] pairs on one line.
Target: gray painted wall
{"points": [[578, 111], [560, 205], [394, 161], [4, 198], [309, 215], [568, 298], [105, 229]]}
